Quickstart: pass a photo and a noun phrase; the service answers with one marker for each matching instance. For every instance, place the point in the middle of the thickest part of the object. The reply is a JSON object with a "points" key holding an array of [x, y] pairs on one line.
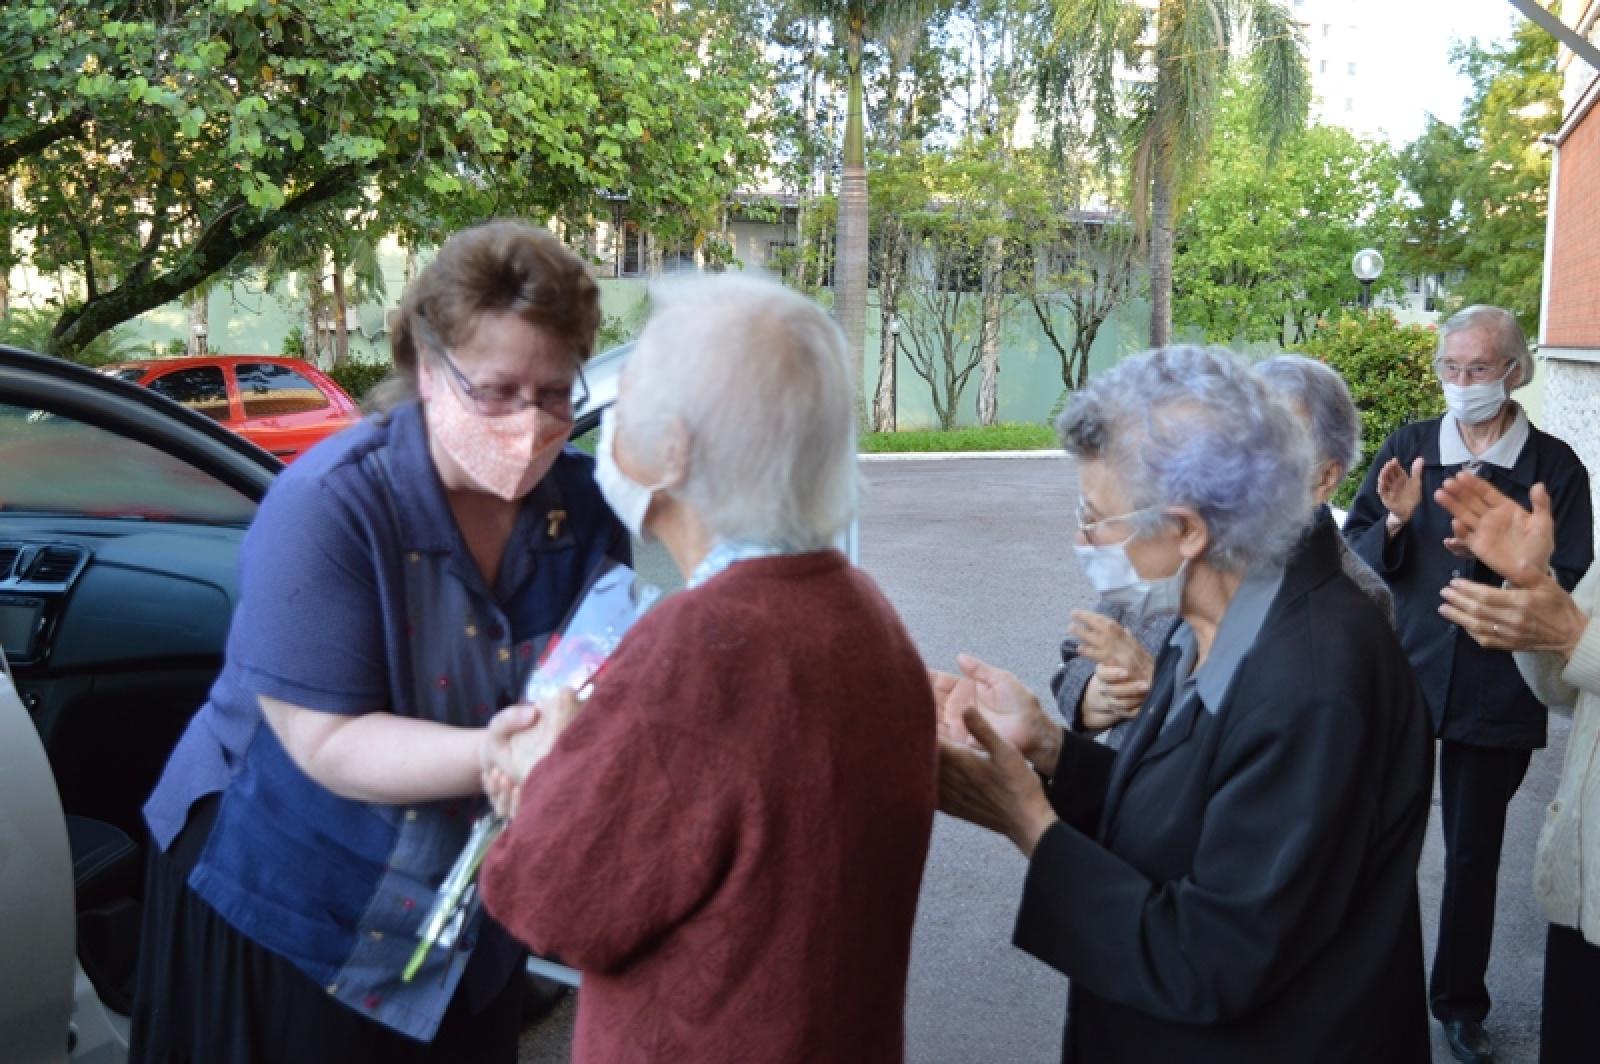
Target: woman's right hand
{"points": [[1514, 542], [1399, 490], [1009, 707]]}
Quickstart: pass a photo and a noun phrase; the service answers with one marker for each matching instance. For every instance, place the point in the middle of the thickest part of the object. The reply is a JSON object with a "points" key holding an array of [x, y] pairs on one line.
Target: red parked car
{"points": [[282, 405]]}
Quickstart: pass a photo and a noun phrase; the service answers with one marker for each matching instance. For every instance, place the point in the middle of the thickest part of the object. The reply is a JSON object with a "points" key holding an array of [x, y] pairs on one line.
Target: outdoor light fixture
{"points": [[1368, 267], [894, 326]]}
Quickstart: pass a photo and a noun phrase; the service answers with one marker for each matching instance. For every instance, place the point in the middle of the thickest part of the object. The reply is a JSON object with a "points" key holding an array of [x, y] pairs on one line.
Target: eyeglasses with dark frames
{"points": [[501, 400]]}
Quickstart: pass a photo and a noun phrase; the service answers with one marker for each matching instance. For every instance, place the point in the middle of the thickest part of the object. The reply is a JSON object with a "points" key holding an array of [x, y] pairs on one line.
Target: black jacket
{"points": [[1476, 695], [1243, 886]]}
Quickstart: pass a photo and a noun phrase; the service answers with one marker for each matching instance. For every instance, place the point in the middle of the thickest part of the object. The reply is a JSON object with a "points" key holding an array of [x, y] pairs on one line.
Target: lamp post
{"points": [[1368, 267]]}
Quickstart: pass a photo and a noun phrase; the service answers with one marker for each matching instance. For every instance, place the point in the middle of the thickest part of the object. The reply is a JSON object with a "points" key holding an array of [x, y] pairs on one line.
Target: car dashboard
{"points": [[115, 631]]}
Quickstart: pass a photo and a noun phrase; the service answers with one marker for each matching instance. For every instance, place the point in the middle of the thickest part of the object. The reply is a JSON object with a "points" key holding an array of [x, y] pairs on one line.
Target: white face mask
{"points": [[1473, 404], [628, 499], [1112, 574]]}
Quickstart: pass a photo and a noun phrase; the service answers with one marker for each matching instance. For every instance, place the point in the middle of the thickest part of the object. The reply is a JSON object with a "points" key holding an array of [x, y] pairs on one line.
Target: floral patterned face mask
{"points": [[504, 456]]}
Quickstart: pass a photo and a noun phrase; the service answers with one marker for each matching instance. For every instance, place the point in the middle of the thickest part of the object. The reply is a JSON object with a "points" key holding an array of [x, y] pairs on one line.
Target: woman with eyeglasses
{"points": [[396, 585], [1238, 882], [1486, 719]]}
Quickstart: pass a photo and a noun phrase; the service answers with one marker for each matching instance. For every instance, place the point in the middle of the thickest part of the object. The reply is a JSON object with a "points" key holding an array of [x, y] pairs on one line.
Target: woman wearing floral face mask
{"points": [[1487, 720], [394, 589], [1238, 882]]}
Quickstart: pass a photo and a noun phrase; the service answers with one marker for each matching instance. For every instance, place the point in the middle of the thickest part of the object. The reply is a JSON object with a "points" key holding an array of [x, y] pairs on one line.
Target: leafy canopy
{"points": [[153, 144], [1265, 244]]}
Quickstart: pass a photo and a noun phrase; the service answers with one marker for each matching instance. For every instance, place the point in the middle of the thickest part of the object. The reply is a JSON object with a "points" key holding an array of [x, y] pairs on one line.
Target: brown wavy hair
{"points": [[500, 265]]}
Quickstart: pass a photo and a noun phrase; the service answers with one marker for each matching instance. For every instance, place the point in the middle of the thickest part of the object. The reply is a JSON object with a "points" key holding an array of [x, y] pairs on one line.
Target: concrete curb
{"points": [[948, 456]]}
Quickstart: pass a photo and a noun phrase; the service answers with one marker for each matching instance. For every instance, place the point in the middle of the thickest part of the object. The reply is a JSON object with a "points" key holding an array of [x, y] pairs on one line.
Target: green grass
{"points": [[1014, 437]]}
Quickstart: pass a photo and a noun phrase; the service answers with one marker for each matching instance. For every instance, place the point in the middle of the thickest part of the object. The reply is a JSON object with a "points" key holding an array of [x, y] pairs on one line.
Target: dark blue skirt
{"points": [[206, 993]]}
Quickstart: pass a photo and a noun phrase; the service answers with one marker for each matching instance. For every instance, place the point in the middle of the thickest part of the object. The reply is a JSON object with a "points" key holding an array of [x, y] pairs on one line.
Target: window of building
{"points": [[632, 264], [1322, 68], [782, 257], [1352, 68], [270, 390], [1326, 29], [1349, 104], [200, 388]]}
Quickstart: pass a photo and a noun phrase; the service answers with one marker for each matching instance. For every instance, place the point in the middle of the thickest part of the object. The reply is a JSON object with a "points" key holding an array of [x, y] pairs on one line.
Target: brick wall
{"points": [[1574, 267]]}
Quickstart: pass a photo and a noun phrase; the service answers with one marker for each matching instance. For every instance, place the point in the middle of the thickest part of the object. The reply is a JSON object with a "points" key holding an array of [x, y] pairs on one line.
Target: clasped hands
{"points": [[516, 739], [993, 734], [1123, 670]]}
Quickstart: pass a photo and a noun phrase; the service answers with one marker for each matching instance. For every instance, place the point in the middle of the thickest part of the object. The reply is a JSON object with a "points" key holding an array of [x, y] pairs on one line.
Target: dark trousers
{"points": [[1571, 975], [1475, 785]]}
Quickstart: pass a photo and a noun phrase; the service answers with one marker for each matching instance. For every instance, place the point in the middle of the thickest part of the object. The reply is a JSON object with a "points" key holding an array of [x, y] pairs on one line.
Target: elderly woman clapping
{"points": [[1238, 883], [728, 839], [1487, 721], [1557, 651]]}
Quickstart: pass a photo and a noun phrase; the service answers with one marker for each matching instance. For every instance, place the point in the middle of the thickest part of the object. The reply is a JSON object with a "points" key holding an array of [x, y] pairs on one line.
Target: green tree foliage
{"points": [[1389, 368], [1195, 43], [1482, 188], [1265, 245], [29, 329], [1075, 264], [950, 204], [154, 144], [359, 378]]}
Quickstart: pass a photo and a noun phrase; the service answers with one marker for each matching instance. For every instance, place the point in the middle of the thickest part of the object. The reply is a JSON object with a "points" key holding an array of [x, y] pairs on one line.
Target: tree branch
{"points": [[29, 144], [218, 245]]}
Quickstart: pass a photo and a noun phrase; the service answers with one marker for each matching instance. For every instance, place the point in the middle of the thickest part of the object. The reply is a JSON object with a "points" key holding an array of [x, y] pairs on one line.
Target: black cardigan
{"points": [[1243, 887], [1476, 695]]}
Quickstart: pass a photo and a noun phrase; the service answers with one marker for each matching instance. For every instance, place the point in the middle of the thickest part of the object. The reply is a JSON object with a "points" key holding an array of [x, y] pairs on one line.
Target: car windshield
{"points": [[56, 465]]}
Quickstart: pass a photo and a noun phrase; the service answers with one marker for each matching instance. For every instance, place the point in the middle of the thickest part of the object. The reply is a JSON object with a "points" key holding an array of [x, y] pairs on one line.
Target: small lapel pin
{"points": [[555, 517]]}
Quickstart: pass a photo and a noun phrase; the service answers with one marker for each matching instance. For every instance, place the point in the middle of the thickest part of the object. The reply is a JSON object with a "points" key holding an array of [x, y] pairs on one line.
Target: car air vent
{"points": [[8, 560], [55, 565]]}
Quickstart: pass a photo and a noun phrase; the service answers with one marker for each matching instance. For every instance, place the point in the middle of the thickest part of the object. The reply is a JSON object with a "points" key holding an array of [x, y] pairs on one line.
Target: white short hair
{"points": [[758, 375]]}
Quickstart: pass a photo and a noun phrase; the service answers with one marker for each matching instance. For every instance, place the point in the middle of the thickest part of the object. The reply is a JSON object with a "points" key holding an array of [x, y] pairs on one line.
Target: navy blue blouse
{"points": [[358, 595]]}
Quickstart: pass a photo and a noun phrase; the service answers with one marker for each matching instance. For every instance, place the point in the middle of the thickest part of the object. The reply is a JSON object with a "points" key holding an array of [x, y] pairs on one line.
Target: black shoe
{"points": [[1468, 1042]]}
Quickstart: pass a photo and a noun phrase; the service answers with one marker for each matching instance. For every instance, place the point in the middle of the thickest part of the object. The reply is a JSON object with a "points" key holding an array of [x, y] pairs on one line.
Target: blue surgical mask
{"points": [[1111, 573], [628, 499]]}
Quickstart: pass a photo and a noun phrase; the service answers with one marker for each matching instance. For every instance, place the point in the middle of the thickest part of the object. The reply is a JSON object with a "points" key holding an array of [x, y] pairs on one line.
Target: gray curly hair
{"points": [[1192, 426]]}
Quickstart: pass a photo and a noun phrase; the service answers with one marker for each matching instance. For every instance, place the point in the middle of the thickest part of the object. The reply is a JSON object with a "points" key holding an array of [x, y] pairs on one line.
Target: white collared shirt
{"points": [[1503, 452]]}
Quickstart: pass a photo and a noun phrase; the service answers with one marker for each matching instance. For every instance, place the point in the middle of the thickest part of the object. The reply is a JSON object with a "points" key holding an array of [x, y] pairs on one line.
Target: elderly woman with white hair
{"points": [[1238, 883], [728, 839], [1487, 720]]}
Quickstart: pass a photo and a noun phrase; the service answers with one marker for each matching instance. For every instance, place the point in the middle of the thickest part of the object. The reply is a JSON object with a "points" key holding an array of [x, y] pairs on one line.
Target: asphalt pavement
{"points": [[976, 554]]}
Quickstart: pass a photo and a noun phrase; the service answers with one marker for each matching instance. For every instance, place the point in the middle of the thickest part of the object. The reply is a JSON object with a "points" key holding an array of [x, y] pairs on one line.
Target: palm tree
{"points": [[854, 21], [1194, 43]]}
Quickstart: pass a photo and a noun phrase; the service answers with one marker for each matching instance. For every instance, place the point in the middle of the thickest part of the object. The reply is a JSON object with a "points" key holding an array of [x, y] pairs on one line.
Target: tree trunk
{"points": [[989, 390], [1161, 257], [850, 260], [883, 403], [652, 255], [410, 269], [5, 249], [341, 332], [197, 317]]}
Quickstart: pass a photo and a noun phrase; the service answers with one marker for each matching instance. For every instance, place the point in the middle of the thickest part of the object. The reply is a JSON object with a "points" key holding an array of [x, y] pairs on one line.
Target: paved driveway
{"points": [[976, 555]]}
